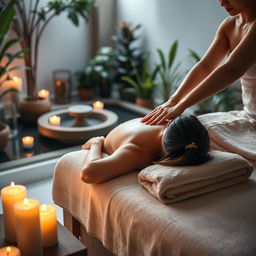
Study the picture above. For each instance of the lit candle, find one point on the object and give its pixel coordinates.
(43, 93)
(15, 83)
(9, 251)
(28, 231)
(10, 195)
(58, 83)
(98, 105)
(48, 223)
(55, 120)
(28, 142)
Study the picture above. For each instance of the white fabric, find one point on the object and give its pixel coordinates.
(233, 132)
(130, 221)
(248, 82)
(174, 183)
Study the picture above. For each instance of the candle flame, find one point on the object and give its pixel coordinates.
(16, 79)
(25, 201)
(12, 184)
(8, 250)
(44, 207)
(58, 83)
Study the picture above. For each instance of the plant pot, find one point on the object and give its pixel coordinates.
(146, 103)
(86, 94)
(4, 135)
(31, 110)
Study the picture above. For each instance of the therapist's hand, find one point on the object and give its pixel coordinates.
(162, 114)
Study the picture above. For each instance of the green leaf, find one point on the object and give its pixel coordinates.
(172, 53)
(161, 57)
(6, 17)
(194, 55)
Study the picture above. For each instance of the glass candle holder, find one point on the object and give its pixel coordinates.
(62, 85)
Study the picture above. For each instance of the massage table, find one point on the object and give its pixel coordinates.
(120, 217)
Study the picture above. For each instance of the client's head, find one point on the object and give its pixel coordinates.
(185, 142)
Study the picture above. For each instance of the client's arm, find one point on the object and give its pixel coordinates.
(125, 159)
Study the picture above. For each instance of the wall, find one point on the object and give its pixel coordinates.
(192, 23)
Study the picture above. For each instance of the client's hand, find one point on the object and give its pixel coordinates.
(162, 114)
(95, 140)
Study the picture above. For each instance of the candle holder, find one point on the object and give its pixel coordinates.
(62, 84)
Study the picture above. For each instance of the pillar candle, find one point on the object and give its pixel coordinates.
(10, 195)
(48, 223)
(9, 251)
(28, 227)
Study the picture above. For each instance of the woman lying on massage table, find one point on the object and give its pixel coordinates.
(134, 145)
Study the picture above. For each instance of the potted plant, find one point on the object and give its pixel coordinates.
(6, 60)
(168, 72)
(226, 100)
(98, 73)
(126, 52)
(29, 25)
(144, 84)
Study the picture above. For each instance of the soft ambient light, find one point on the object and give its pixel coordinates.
(28, 227)
(28, 142)
(10, 195)
(43, 93)
(9, 251)
(15, 83)
(55, 120)
(48, 225)
(98, 105)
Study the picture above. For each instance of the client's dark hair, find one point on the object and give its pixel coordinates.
(186, 142)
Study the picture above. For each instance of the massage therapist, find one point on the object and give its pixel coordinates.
(235, 40)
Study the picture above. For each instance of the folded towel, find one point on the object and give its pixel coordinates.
(174, 183)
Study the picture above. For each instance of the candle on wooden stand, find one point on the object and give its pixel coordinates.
(9, 251)
(28, 142)
(48, 223)
(10, 195)
(28, 231)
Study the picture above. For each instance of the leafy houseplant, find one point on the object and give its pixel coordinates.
(144, 84)
(98, 73)
(30, 23)
(127, 51)
(6, 58)
(168, 72)
(225, 100)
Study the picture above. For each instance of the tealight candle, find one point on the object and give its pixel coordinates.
(98, 105)
(9, 251)
(48, 223)
(28, 142)
(10, 195)
(15, 83)
(28, 231)
(55, 120)
(43, 93)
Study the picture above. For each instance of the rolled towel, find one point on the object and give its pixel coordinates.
(174, 183)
